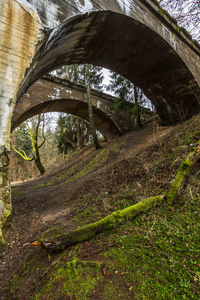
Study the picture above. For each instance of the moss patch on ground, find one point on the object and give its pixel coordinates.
(159, 253)
(74, 278)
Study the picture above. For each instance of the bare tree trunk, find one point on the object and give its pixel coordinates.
(82, 133)
(35, 146)
(78, 133)
(90, 111)
(138, 119)
(38, 162)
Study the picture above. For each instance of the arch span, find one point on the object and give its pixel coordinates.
(131, 48)
(51, 93)
(104, 124)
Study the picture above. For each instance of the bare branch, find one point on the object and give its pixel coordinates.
(23, 154)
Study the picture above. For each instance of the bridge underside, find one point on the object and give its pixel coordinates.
(102, 122)
(131, 49)
(54, 94)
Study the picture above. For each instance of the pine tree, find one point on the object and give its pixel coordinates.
(77, 73)
(127, 91)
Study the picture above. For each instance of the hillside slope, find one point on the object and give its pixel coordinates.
(155, 255)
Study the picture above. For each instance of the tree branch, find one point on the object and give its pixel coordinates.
(183, 173)
(23, 154)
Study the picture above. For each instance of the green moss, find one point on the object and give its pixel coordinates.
(73, 278)
(95, 163)
(87, 215)
(3, 244)
(157, 255)
(98, 161)
(31, 267)
(16, 192)
(7, 215)
(54, 230)
(161, 11)
(178, 28)
(87, 232)
(183, 171)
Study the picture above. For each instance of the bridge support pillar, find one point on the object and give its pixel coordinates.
(5, 195)
(6, 109)
(20, 33)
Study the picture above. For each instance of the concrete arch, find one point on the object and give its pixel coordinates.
(104, 124)
(51, 93)
(132, 49)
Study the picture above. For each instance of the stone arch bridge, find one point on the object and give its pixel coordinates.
(135, 38)
(51, 93)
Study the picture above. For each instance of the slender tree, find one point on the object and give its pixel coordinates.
(80, 132)
(79, 74)
(90, 111)
(66, 132)
(137, 107)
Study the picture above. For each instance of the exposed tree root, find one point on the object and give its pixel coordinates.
(87, 232)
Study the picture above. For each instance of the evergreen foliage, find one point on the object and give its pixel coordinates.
(77, 73)
(127, 91)
(122, 88)
(70, 135)
(66, 133)
(68, 129)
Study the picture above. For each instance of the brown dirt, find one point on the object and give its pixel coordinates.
(37, 206)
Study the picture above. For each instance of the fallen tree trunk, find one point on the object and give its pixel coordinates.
(87, 232)
(183, 173)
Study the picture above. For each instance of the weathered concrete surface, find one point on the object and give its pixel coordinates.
(132, 37)
(51, 93)
(19, 32)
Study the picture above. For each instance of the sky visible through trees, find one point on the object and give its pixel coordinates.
(187, 14)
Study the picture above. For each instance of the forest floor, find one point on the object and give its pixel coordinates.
(154, 256)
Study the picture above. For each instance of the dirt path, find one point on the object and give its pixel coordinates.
(37, 206)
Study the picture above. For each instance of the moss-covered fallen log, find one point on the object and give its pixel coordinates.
(87, 232)
(183, 173)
